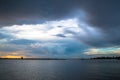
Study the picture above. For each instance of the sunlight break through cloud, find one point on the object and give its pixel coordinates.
(51, 30)
(45, 31)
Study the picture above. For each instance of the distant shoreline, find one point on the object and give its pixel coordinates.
(94, 58)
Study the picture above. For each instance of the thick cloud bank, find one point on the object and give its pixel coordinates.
(91, 23)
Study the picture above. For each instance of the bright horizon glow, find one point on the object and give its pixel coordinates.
(11, 56)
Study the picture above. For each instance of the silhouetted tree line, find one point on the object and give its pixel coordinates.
(114, 57)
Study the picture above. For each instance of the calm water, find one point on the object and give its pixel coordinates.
(59, 70)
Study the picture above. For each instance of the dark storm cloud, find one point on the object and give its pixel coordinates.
(104, 14)
(30, 11)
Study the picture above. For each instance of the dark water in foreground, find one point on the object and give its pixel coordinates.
(59, 70)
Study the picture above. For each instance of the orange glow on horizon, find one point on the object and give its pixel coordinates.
(11, 56)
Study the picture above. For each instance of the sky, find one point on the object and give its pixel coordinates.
(59, 28)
